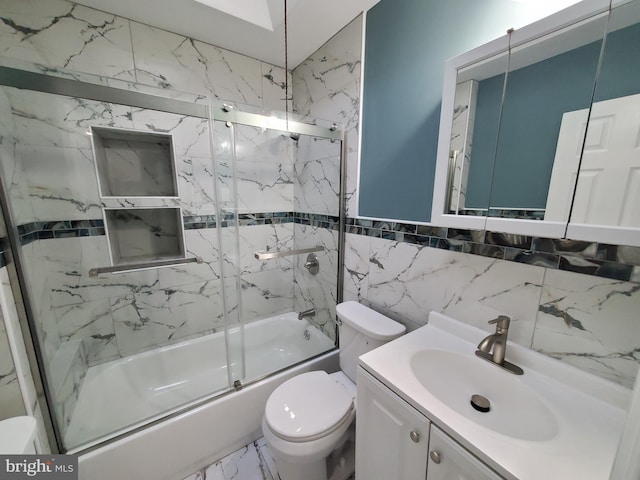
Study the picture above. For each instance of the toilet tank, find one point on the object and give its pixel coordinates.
(362, 330)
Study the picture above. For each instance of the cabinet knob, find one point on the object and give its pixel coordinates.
(415, 436)
(435, 456)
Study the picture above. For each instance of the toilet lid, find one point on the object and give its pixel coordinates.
(306, 406)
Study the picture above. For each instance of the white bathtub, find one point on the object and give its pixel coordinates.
(130, 392)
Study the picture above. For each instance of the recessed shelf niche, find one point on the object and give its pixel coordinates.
(134, 164)
(144, 234)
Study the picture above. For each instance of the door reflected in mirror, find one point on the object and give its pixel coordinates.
(547, 77)
(608, 186)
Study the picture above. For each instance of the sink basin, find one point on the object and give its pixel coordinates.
(516, 409)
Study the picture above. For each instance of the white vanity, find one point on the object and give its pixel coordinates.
(416, 421)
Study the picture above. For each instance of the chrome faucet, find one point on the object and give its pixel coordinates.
(498, 343)
(307, 313)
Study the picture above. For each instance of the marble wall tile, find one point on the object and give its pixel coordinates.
(203, 244)
(142, 234)
(66, 374)
(63, 34)
(47, 120)
(253, 238)
(67, 262)
(129, 167)
(411, 281)
(591, 323)
(327, 86)
(317, 176)
(266, 293)
(90, 322)
(273, 89)
(263, 169)
(50, 169)
(171, 61)
(190, 134)
(356, 265)
(317, 291)
(40, 294)
(146, 320)
(61, 182)
(333, 66)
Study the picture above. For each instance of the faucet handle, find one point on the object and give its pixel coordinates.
(503, 322)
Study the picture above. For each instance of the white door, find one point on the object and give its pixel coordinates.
(449, 461)
(608, 188)
(391, 436)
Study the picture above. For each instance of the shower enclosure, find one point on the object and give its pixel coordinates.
(166, 246)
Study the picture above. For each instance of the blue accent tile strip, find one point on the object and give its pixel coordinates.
(4, 247)
(608, 261)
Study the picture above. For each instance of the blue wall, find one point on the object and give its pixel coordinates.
(543, 92)
(407, 43)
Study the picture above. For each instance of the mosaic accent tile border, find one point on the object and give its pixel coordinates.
(30, 232)
(609, 261)
(617, 262)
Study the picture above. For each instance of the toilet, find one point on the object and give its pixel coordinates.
(308, 423)
(17, 436)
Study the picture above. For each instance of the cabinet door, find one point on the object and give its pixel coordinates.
(392, 438)
(450, 461)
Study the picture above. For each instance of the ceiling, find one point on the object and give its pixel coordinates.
(310, 23)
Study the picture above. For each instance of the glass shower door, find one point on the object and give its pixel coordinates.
(96, 186)
(278, 192)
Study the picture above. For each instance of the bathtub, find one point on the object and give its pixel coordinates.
(127, 393)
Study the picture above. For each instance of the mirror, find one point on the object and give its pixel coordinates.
(523, 179)
(547, 77)
(608, 184)
(474, 139)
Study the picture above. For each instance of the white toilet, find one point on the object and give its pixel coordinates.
(308, 420)
(17, 436)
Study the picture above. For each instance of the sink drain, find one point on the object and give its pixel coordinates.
(480, 403)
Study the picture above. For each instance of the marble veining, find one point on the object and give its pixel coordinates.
(317, 176)
(591, 323)
(252, 462)
(584, 320)
(67, 35)
(327, 86)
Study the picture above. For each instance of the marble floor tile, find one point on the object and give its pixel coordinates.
(251, 462)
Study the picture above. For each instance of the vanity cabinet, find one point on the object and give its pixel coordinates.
(396, 441)
(448, 460)
(392, 437)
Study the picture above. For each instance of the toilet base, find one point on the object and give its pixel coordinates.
(339, 464)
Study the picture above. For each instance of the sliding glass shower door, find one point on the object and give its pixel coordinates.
(171, 254)
(115, 207)
(278, 193)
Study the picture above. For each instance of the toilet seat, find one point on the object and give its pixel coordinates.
(308, 407)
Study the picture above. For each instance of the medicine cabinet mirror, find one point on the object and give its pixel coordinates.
(514, 122)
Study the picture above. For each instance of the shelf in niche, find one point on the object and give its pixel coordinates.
(144, 234)
(134, 164)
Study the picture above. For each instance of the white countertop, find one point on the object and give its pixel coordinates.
(590, 412)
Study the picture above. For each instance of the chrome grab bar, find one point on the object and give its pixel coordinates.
(132, 267)
(266, 254)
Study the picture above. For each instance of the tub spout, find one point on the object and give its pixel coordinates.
(307, 313)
